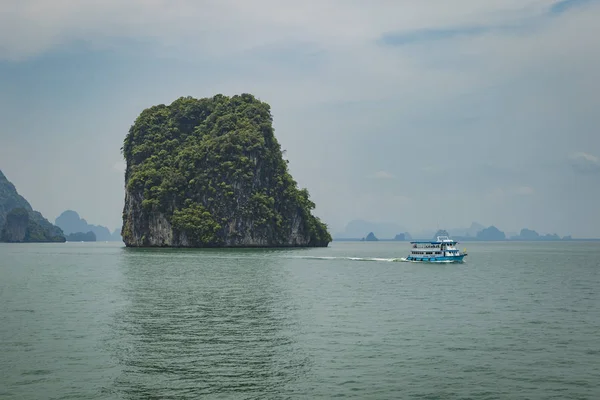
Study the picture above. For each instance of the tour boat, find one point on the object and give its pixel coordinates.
(441, 250)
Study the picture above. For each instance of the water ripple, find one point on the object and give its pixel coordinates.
(518, 320)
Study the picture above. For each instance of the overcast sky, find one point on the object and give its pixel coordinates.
(422, 112)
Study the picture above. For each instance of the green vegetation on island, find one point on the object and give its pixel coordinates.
(210, 173)
(19, 222)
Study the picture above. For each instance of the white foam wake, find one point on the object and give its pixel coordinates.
(401, 259)
(351, 258)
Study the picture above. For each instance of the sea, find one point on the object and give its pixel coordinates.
(516, 320)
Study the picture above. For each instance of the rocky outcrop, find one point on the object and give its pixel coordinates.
(491, 234)
(156, 230)
(371, 237)
(22, 226)
(19, 222)
(210, 173)
(143, 228)
(400, 237)
(15, 227)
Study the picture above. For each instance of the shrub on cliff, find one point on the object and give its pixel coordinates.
(214, 169)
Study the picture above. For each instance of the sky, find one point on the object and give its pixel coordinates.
(426, 113)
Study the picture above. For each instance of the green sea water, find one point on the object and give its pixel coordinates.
(100, 321)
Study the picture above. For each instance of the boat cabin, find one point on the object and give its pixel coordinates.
(441, 247)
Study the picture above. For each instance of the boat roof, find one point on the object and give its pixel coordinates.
(440, 239)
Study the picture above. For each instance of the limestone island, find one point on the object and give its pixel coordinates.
(19, 222)
(210, 173)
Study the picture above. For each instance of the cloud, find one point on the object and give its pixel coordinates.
(566, 5)
(223, 27)
(382, 175)
(509, 21)
(424, 35)
(585, 163)
(315, 52)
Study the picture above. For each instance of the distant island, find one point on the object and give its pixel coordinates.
(19, 222)
(370, 238)
(210, 173)
(490, 233)
(476, 232)
(400, 237)
(528, 234)
(82, 237)
(71, 223)
(359, 228)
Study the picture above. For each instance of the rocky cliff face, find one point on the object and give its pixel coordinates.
(155, 230)
(19, 222)
(15, 227)
(210, 173)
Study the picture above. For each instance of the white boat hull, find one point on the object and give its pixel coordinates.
(446, 259)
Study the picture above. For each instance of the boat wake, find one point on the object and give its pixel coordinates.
(376, 259)
(372, 259)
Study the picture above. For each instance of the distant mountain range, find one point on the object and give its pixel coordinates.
(71, 223)
(387, 231)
